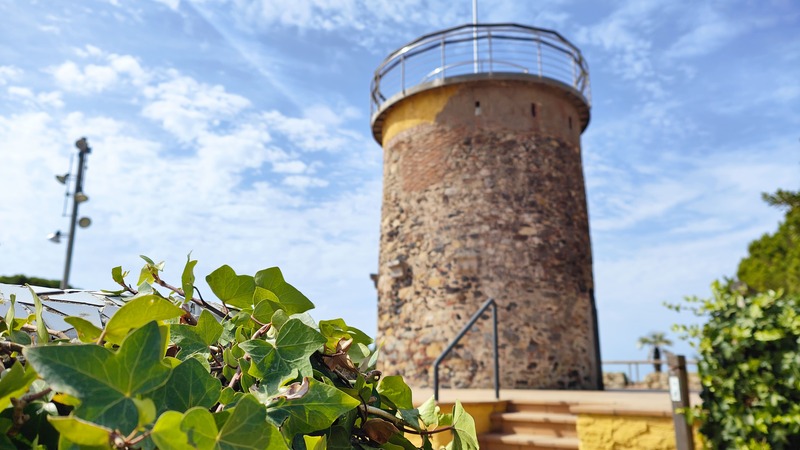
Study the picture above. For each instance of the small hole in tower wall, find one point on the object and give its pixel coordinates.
(533, 109)
(570, 122)
(477, 108)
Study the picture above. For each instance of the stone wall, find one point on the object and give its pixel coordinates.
(484, 197)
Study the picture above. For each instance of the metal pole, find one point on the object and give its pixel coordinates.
(74, 219)
(496, 354)
(679, 395)
(475, 34)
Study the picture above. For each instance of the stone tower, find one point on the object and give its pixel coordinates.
(483, 198)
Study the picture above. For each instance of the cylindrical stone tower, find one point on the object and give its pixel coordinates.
(483, 198)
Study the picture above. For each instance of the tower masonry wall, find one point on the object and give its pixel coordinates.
(484, 197)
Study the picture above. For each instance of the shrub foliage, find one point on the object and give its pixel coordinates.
(749, 368)
(253, 372)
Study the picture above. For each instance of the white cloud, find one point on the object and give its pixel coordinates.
(44, 99)
(187, 108)
(712, 32)
(304, 182)
(96, 78)
(9, 73)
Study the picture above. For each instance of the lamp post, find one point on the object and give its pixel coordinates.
(78, 197)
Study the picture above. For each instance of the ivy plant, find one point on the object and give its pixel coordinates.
(749, 367)
(252, 371)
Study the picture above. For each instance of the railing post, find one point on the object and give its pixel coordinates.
(539, 54)
(444, 57)
(679, 394)
(496, 353)
(489, 40)
(403, 73)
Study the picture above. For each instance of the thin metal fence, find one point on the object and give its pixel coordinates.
(480, 49)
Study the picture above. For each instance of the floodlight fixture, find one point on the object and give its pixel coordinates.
(80, 197)
(83, 146)
(84, 222)
(62, 178)
(55, 237)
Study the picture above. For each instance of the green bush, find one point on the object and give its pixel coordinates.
(749, 367)
(262, 374)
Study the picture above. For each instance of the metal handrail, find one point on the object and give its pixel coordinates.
(481, 47)
(488, 303)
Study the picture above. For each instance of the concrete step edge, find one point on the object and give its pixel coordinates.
(535, 417)
(531, 439)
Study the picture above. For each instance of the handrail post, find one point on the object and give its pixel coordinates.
(496, 352)
(454, 342)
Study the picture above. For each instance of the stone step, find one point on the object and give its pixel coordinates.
(539, 406)
(501, 441)
(542, 424)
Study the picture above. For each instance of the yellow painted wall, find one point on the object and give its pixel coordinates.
(601, 432)
(424, 108)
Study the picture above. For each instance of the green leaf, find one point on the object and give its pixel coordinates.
(464, 434)
(266, 303)
(42, 335)
(138, 312)
(104, 381)
(336, 329)
(429, 413)
(236, 290)
(87, 331)
(769, 335)
(291, 300)
(316, 410)
(394, 390)
(147, 410)
(187, 278)
(288, 358)
(189, 385)
(167, 434)
(15, 383)
(208, 328)
(81, 431)
(118, 275)
(245, 429)
(10, 313)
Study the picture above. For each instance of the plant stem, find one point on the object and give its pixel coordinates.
(179, 291)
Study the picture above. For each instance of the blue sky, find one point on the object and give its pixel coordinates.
(239, 130)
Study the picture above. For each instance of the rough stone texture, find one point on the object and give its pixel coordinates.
(482, 203)
(625, 433)
(615, 380)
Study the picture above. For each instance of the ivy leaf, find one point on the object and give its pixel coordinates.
(317, 409)
(396, 392)
(246, 428)
(429, 413)
(104, 381)
(208, 328)
(187, 278)
(138, 312)
(80, 431)
(15, 382)
(167, 434)
(189, 385)
(87, 331)
(236, 290)
(291, 300)
(288, 358)
(42, 335)
(118, 275)
(464, 434)
(336, 329)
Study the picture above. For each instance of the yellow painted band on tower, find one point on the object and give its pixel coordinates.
(422, 107)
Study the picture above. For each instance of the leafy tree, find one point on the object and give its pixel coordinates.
(254, 371)
(21, 280)
(773, 261)
(749, 367)
(656, 341)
